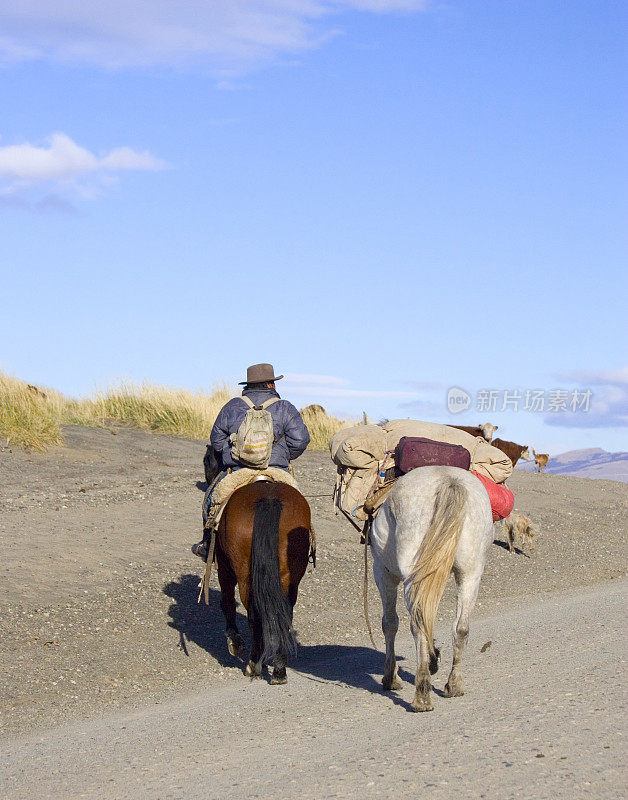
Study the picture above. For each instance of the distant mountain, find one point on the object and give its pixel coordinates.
(590, 463)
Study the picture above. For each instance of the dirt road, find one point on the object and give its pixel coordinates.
(542, 717)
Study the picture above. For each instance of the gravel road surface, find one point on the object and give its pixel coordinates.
(542, 718)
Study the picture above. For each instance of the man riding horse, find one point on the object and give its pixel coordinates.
(290, 435)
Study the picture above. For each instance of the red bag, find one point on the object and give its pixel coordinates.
(502, 499)
(415, 451)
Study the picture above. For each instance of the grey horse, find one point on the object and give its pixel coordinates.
(435, 520)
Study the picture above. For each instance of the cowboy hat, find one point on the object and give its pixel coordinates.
(260, 373)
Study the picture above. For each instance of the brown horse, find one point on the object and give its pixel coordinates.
(263, 546)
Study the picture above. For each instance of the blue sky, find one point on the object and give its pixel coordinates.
(384, 199)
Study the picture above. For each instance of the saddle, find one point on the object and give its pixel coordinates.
(236, 480)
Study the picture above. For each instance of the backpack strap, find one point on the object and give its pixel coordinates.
(264, 405)
(270, 401)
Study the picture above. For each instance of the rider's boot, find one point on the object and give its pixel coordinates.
(201, 549)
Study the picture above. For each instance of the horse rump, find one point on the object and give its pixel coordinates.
(269, 607)
(435, 556)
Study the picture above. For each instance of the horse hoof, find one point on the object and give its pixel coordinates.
(277, 680)
(422, 704)
(453, 690)
(236, 645)
(392, 685)
(253, 670)
(434, 661)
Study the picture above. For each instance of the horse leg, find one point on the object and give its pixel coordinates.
(228, 582)
(510, 538)
(468, 585)
(280, 675)
(422, 683)
(387, 585)
(254, 667)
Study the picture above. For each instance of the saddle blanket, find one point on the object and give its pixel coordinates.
(236, 480)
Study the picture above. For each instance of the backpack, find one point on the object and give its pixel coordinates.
(252, 445)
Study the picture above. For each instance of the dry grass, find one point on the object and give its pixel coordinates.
(321, 426)
(31, 417)
(153, 408)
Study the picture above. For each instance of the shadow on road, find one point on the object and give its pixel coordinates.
(199, 623)
(504, 545)
(204, 625)
(349, 666)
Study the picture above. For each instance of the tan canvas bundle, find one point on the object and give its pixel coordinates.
(252, 444)
(359, 447)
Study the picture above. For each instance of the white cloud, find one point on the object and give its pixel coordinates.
(229, 37)
(62, 166)
(48, 204)
(427, 409)
(428, 386)
(609, 402)
(591, 377)
(319, 386)
(63, 159)
(125, 158)
(303, 379)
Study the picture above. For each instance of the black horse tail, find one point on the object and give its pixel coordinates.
(272, 610)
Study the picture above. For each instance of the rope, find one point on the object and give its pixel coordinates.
(367, 531)
(203, 587)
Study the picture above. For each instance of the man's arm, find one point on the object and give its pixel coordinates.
(220, 434)
(295, 432)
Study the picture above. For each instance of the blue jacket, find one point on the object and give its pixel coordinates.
(291, 435)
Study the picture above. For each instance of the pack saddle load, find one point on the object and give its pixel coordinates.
(367, 465)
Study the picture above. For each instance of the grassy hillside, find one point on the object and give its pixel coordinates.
(31, 417)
